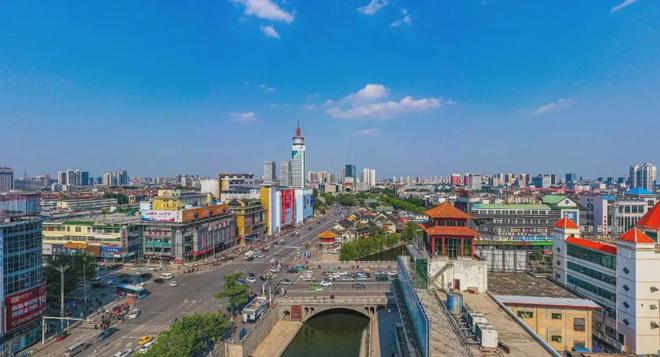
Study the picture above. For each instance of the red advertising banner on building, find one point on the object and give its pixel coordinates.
(25, 306)
(288, 201)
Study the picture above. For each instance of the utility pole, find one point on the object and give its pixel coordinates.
(62, 269)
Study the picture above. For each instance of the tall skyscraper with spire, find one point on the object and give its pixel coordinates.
(298, 174)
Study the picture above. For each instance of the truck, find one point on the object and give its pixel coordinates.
(255, 309)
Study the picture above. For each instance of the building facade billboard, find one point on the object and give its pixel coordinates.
(160, 216)
(24, 307)
(288, 207)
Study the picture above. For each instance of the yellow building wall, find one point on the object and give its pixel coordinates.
(545, 326)
(168, 204)
(264, 197)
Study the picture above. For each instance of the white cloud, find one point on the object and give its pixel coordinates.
(622, 5)
(372, 7)
(265, 9)
(372, 133)
(266, 88)
(368, 93)
(243, 118)
(269, 31)
(405, 20)
(382, 110)
(553, 106)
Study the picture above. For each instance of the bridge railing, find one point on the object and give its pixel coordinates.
(295, 300)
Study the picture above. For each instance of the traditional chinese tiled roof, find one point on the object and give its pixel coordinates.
(446, 210)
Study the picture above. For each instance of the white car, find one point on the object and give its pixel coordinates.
(134, 314)
(146, 346)
(251, 279)
(173, 283)
(325, 283)
(124, 353)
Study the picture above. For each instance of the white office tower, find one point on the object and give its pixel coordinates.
(269, 172)
(298, 175)
(643, 176)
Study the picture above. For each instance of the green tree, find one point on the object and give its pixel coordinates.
(410, 232)
(360, 248)
(121, 198)
(72, 276)
(193, 335)
(238, 294)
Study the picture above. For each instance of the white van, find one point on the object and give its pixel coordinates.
(166, 276)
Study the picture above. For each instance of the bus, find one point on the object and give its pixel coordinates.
(132, 290)
(257, 307)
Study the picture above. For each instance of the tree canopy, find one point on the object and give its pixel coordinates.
(192, 335)
(72, 275)
(238, 294)
(360, 248)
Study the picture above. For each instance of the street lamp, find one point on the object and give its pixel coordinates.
(62, 269)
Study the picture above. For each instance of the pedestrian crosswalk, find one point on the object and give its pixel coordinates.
(147, 329)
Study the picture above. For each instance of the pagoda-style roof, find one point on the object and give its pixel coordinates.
(460, 231)
(634, 235)
(566, 223)
(327, 235)
(651, 219)
(446, 210)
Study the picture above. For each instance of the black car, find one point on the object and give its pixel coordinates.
(159, 280)
(106, 333)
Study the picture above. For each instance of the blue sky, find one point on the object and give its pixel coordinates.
(415, 88)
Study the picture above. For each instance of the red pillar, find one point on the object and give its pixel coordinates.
(433, 246)
(443, 246)
(462, 242)
(473, 247)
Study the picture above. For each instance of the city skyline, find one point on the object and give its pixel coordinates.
(370, 85)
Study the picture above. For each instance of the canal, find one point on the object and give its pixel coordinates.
(386, 255)
(329, 334)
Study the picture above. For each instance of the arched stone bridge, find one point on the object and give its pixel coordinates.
(303, 308)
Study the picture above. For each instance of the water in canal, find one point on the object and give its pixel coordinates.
(333, 334)
(386, 255)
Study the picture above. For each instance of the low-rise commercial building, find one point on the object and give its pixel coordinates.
(250, 219)
(188, 235)
(111, 237)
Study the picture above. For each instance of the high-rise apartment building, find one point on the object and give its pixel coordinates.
(115, 178)
(6, 179)
(643, 175)
(298, 175)
(369, 177)
(270, 172)
(285, 173)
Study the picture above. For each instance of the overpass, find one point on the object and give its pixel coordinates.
(302, 308)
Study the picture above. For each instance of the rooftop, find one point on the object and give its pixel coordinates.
(553, 199)
(520, 206)
(566, 223)
(638, 191)
(592, 244)
(634, 235)
(112, 218)
(527, 285)
(446, 210)
(651, 219)
(570, 303)
(451, 231)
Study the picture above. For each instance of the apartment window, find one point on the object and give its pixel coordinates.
(625, 321)
(621, 338)
(555, 316)
(625, 270)
(555, 338)
(626, 288)
(626, 305)
(525, 314)
(579, 344)
(579, 324)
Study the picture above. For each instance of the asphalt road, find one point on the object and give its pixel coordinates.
(193, 295)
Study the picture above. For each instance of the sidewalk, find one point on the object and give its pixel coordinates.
(278, 339)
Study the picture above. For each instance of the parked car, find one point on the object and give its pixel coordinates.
(359, 286)
(325, 282)
(144, 348)
(106, 333)
(159, 280)
(251, 279)
(286, 282)
(173, 283)
(134, 314)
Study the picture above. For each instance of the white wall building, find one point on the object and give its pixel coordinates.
(298, 168)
